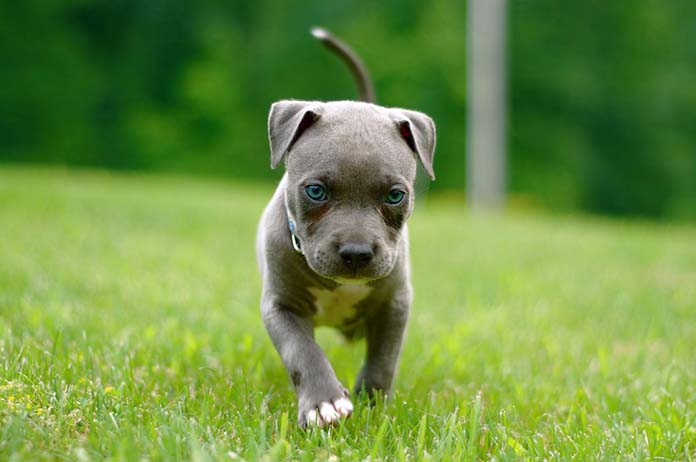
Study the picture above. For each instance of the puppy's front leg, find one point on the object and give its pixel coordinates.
(321, 397)
(385, 333)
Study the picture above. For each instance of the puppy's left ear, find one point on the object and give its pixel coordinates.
(287, 121)
(418, 130)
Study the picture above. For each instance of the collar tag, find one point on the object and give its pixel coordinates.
(293, 229)
(293, 235)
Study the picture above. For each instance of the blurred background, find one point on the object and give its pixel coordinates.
(601, 95)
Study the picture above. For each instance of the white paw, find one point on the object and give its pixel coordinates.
(329, 413)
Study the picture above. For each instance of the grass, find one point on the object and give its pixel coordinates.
(129, 330)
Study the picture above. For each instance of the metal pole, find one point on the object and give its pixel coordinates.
(486, 96)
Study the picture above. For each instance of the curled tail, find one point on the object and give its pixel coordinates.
(355, 64)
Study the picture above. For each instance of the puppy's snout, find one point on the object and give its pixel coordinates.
(355, 255)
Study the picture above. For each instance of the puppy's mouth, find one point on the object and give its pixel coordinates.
(350, 280)
(355, 281)
(343, 271)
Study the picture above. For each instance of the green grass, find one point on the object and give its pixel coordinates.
(130, 329)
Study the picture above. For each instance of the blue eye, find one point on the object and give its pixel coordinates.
(395, 196)
(316, 192)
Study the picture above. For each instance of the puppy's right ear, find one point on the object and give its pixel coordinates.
(287, 121)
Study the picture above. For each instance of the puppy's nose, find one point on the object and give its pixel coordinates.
(356, 256)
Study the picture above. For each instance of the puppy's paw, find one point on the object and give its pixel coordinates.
(328, 413)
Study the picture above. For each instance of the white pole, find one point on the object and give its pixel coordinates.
(486, 100)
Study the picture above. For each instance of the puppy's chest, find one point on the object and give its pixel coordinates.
(339, 306)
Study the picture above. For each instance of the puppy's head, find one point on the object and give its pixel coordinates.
(350, 167)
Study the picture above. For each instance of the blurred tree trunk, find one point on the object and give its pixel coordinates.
(486, 118)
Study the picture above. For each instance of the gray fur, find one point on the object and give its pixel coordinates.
(359, 151)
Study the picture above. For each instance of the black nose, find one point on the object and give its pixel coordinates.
(356, 256)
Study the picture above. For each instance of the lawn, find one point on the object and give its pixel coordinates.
(130, 330)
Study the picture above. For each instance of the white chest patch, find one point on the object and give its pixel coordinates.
(338, 305)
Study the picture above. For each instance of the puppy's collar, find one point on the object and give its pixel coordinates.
(296, 244)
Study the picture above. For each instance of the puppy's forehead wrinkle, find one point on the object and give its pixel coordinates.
(331, 142)
(359, 135)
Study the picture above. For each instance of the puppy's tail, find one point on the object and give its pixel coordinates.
(352, 60)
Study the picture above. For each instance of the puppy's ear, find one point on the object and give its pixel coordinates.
(287, 120)
(418, 130)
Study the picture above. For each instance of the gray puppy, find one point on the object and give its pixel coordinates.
(332, 244)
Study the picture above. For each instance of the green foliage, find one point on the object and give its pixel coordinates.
(603, 104)
(130, 330)
(601, 93)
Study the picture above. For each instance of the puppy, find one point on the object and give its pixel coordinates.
(332, 244)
